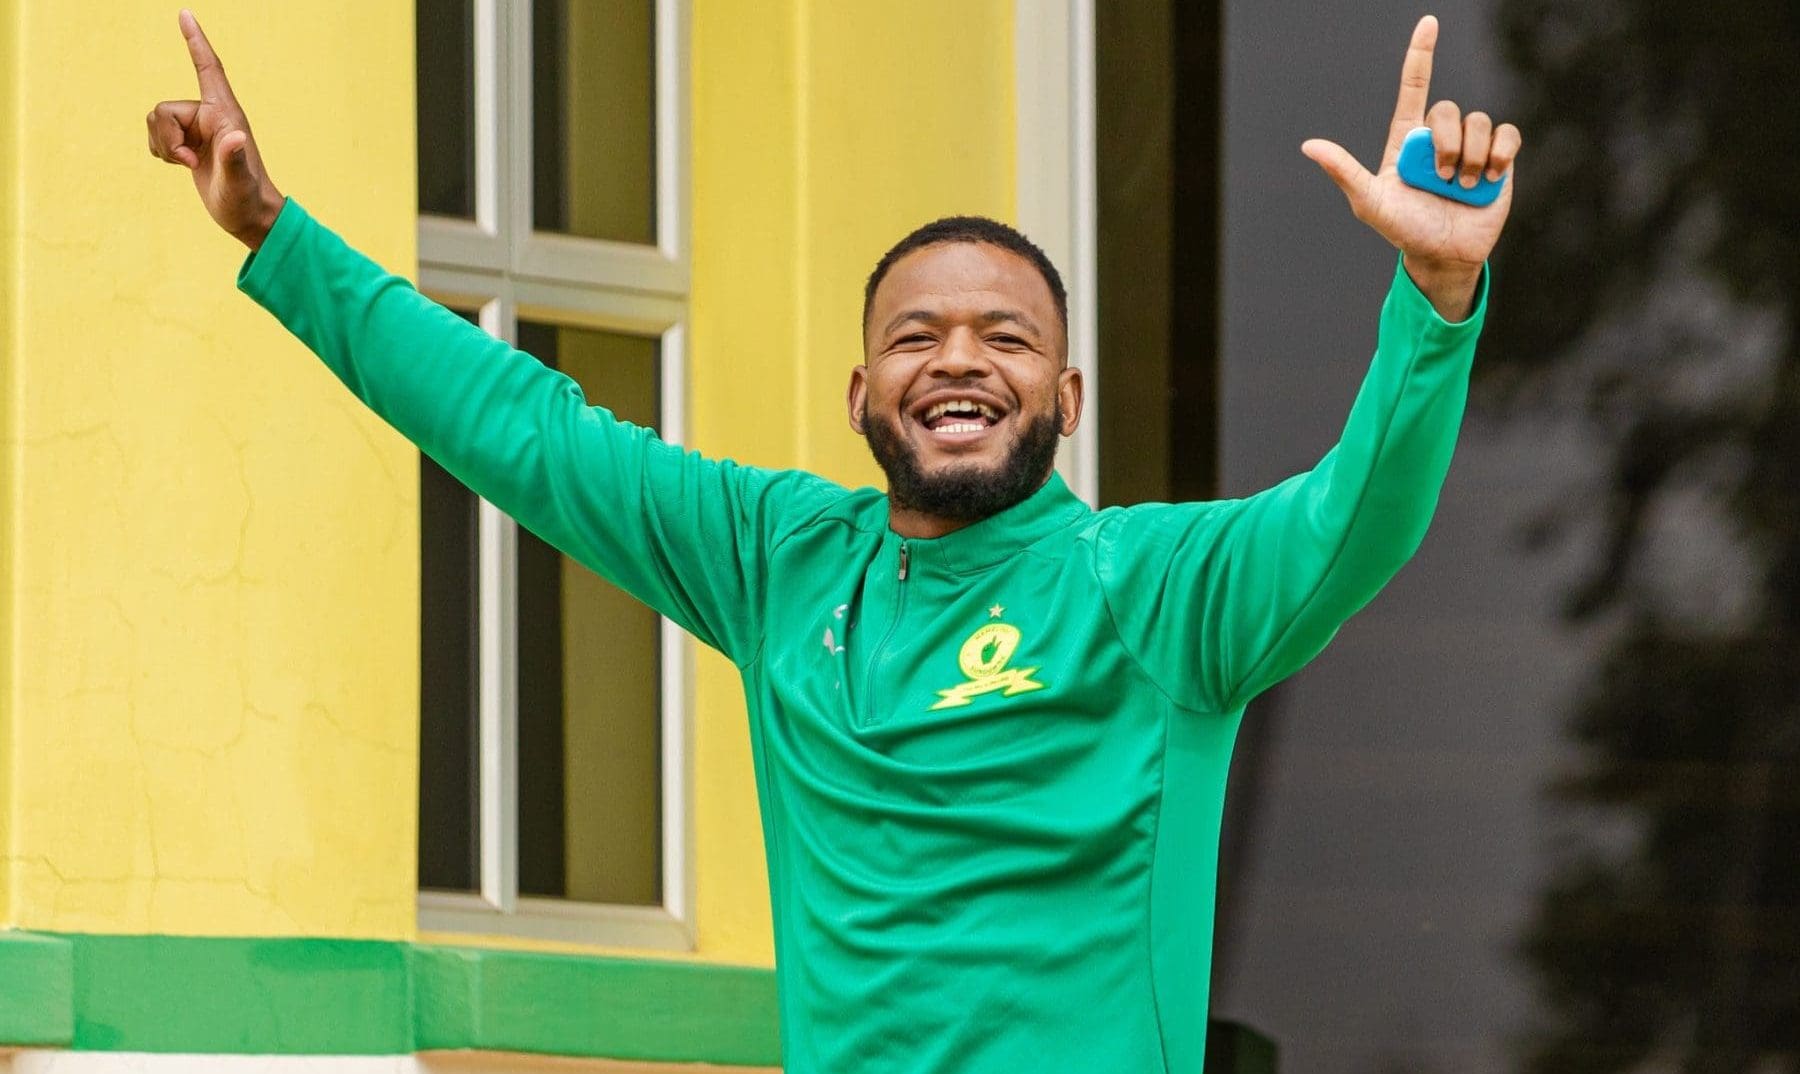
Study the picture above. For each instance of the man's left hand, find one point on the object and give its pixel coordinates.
(1444, 242)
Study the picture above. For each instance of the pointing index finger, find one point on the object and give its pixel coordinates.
(211, 73)
(1415, 84)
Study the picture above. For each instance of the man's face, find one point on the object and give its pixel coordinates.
(965, 386)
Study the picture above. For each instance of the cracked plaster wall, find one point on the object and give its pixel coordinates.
(217, 591)
(9, 320)
(214, 600)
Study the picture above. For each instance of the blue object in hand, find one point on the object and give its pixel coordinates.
(1418, 168)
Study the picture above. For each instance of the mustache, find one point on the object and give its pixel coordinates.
(965, 384)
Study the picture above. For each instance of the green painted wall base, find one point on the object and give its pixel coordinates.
(37, 990)
(303, 996)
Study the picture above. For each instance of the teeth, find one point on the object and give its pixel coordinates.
(959, 427)
(983, 409)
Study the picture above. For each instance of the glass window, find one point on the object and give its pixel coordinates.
(544, 710)
(449, 663)
(593, 83)
(446, 102)
(590, 723)
(449, 726)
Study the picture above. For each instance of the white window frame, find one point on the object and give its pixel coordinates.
(1054, 85)
(500, 266)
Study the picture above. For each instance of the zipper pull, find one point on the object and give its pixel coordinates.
(903, 559)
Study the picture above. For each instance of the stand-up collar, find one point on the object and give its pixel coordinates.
(999, 537)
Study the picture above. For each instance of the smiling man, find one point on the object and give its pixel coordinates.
(991, 725)
(967, 386)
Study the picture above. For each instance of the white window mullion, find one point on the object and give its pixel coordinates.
(672, 133)
(497, 608)
(499, 739)
(497, 572)
(490, 184)
(677, 728)
(599, 263)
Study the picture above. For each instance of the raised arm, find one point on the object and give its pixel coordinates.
(1222, 600)
(1443, 243)
(685, 534)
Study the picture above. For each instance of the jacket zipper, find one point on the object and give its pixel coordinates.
(870, 678)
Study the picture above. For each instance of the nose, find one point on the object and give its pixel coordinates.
(962, 355)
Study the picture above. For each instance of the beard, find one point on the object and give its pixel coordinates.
(966, 492)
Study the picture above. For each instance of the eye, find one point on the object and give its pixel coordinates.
(1007, 341)
(916, 337)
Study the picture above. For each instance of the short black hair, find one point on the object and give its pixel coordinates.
(976, 229)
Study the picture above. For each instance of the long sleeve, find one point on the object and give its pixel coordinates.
(686, 535)
(1219, 601)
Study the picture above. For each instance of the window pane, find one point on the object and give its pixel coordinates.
(593, 85)
(449, 728)
(446, 92)
(590, 781)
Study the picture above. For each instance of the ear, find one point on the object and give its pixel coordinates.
(857, 399)
(1069, 392)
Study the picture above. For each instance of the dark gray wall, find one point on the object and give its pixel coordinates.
(1386, 807)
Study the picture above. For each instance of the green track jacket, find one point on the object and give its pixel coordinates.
(991, 765)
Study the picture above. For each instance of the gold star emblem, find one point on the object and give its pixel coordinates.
(996, 612)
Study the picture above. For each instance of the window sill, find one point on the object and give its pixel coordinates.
(651, 928)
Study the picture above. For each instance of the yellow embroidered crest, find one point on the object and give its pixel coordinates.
(983, 660)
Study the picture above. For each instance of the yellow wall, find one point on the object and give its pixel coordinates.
(216, 549)
(215, 707)
(9, 322)
(823, 132)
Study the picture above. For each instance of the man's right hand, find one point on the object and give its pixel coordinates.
(211, 138)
